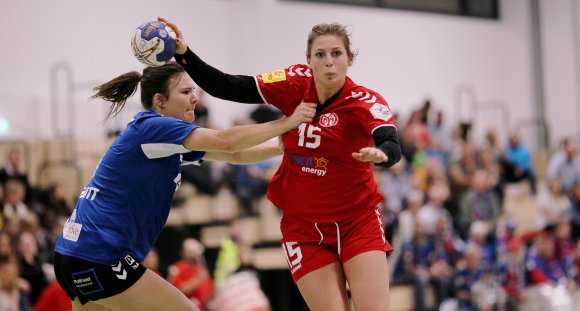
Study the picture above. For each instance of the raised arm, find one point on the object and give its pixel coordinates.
(239, 88)
(245, 136)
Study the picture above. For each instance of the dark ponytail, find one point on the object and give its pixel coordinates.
(155, 80)
(118, 91)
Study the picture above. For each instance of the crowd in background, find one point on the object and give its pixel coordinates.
(443, 210)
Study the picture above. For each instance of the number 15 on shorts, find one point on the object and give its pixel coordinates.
(293, 255)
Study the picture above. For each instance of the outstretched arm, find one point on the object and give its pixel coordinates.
(239, 88)
(387, 151)
(251, 155)
(245, 136)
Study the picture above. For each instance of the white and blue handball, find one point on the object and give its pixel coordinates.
(153, 43)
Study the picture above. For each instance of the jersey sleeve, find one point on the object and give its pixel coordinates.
(284, 88)
(163, 136)
(377, 111)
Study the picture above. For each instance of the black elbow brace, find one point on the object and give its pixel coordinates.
(387, 140)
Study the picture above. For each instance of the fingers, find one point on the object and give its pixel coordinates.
(370, 154)
(168, 23)
(306, 112)
(180, 42)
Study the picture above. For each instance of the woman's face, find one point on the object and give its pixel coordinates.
(181, 100)
(329, 61)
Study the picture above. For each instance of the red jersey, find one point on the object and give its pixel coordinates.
(318, 179)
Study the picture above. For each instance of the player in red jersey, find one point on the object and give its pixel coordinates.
(331, 226)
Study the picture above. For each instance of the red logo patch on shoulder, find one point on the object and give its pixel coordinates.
(274, 76)
(328, 119)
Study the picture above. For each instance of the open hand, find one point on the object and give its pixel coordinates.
(370, 154)
(180, 44)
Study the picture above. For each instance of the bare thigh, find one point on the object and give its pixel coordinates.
(324, 289)
(89, 306)
(151, 292)
(368, 279)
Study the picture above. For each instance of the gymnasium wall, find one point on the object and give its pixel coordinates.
(54, 52)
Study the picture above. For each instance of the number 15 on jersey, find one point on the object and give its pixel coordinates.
(308, 136)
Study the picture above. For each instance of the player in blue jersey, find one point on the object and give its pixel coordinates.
(120, 213)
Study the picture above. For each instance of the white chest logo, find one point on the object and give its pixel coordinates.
(328, 119)
(381, 112)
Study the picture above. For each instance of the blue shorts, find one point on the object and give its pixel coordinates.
(92, 281)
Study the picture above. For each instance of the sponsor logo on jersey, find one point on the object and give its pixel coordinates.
(72, 229)
(274, 76)
(328, 119)
(315, 166)
(381, 112)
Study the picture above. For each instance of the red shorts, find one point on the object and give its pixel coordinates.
(312, 245)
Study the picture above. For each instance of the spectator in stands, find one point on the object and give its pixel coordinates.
(206, 177)
(518, 163)
(228, 259)
(460, 171)
(14, 204)
(567, 171)
(488, 164)
(469, 272)
(56, 200)
(434, 209)
(556, 159)
(241, 290)
(13, 227)
(30, 266)
(511, 271)
(545, 267)
(7, 250)
(440, 139)
(478, 203)
(563, 243)
(448, 243)
(493, 146)
(11, 295)
(12, 170)
(265, 113)
(505, 236)
(251, 182)
(552, 204)
(407, 222)
(42, 237)
(395, 185)
(190, 274)
(481, 234)
(417, 257)
(573, 210)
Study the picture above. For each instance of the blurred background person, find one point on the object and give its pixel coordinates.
(190, 274)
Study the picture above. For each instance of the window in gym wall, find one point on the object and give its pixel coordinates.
(468, 8)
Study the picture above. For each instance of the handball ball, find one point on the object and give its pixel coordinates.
(153, 43)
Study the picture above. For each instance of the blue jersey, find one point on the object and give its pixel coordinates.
(126, 203)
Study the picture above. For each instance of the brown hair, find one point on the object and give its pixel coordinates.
(154, 80)
(335, 29)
